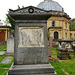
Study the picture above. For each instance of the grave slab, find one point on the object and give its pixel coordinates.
(10, 46)
(7, 60)
(1, 53)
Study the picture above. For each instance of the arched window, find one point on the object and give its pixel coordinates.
(53, 23)
(55, 35)
(66, 35)
(65, 24)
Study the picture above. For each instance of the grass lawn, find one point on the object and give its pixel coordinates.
(4, 67)
(2, 57)
(66, 67)
(3, 71)
(2, 49)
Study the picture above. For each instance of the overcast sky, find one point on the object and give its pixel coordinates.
(5, 5)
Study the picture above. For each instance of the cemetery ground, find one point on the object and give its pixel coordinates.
(62, 67)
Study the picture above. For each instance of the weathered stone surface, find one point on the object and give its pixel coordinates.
(31, 37)
(10, 46)
(37, 69)
(1, 53)
(28, 54)
(31, 43)
(7, 60)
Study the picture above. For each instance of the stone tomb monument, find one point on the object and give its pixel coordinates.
(31, 44)
(64, 47)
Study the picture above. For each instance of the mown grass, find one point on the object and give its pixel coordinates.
(4, 67)
(3, 45)
(2, 49)
(3, 71)
(64, 67)
(2, 57)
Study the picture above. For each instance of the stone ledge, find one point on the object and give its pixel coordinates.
(37, 69)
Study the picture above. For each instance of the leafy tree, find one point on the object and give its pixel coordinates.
(73, 26)
(11, 21)
(6, 22)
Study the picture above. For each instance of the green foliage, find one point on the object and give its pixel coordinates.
(55, 52)
(2, 49)
(6, 65)
(2, 57)
(3, 71)
(73, 26)
(11, 21)
(1, 24)
(58, 68)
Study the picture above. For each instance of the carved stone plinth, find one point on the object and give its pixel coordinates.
(63, 55)
(31, 43)
(39, 69)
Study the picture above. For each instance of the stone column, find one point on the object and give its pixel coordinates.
(6, 35)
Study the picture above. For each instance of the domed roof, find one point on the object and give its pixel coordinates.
(49, 5)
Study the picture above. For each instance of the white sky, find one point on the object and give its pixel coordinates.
(5, 5)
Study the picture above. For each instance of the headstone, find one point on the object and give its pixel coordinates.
(1, 53)
(51, 42)
(31, 43)
(7, 60)
(10, 46)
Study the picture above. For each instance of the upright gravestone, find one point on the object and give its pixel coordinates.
(31, 44)
(10, 46)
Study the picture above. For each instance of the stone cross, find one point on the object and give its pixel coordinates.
(50, 46)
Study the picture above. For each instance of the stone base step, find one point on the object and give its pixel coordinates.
(38, 69)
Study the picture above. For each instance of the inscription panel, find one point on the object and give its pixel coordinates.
(31, 37)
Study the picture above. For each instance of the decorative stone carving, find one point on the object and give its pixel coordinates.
(30, 10)
(30, 37)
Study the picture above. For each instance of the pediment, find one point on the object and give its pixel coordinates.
(29, 9)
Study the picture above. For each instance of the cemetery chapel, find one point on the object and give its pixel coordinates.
(58, 24)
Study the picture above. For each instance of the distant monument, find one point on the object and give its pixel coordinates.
(10, 46)
(31, 44)
(65, 47)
